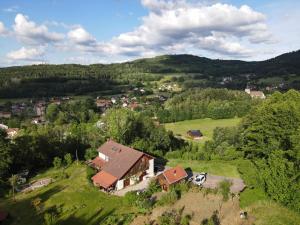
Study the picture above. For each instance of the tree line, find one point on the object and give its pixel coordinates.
(206, 103)
(268, 141)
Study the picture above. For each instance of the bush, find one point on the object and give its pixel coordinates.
(68, 159)
(90, 172)
(169, 218)
(169, 198)
(130, 198)
(90, 153)
(213, 220)
(123, 219)
(174, 217)
(57, 162)
(50, 219)
(141, 200)
(224, 188)
(182, 187)
(153, 187)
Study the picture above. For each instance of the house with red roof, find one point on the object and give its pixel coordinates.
(120, 166)
(171, 176)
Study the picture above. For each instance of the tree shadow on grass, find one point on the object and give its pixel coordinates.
(23, 212)
(96, 219)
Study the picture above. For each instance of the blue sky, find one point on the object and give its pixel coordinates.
(104, 31)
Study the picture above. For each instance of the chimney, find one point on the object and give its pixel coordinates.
(174, 172)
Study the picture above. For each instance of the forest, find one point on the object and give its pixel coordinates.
(72, 79)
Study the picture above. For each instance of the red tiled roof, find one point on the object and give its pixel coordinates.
(121, 158)
(98, 162)
(175, 174)
(104, 179)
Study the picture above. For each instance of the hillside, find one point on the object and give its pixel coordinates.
(48, 80)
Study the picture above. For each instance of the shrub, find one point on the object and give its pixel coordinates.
(115, 219)
(185, 220)
(90, 153)
(90, 172)
(50, 219)
(174, 217)
(224, 188)
(213, 220)
(37, 204)
(57, 162)
(68, 159)
(182, 187)
(169, 218)
(153, 187)
(169, 198)
(142, 200)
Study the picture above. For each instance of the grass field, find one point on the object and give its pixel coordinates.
(216, 167)
(269, 212)
(206, 126)
(77, 201)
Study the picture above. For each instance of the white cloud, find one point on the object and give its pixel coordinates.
(80, 36)
(11, 9)
(170, 27)
(3, 30)
(179, 25)
(27, 54)
(221, 45)
(30, 33)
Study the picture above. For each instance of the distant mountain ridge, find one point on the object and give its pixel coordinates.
(288, 63)
(195, 71)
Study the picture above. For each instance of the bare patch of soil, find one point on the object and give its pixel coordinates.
(201, 207)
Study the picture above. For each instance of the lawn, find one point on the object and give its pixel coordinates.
(216, 167)
(77, 201)
(206, 126)
(269, 212)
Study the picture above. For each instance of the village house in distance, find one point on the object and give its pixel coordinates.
(255, 94)
(194, 134)
(120, 166)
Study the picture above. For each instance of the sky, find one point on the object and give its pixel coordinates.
(106, 31)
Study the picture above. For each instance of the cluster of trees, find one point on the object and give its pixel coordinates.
(206, 103)
(140, 131)
(269, 137)
(36, 147)
(75, 111)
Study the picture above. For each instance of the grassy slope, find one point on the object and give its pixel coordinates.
(206, 126)
(269, 212)
(79, 201)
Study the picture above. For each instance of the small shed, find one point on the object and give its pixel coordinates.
(171, 176)
(194, 134)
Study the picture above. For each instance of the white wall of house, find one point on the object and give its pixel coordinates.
(102, 156)
(150, 171)
(120, 184)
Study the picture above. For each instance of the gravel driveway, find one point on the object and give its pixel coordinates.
(212, 181)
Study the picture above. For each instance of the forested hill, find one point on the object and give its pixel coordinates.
(46, 80)
(288, 63)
